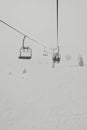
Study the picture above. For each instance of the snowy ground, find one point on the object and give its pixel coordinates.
(33, 96)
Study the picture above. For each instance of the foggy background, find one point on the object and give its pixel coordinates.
(35, 96)
(37, 18)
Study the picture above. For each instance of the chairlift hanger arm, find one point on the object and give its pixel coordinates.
(22, 33)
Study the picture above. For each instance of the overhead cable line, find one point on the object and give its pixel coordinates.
(23, 34)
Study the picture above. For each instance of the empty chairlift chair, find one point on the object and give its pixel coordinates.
(25, 52)
(45, 53)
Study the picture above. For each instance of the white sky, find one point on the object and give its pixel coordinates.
(38, 17)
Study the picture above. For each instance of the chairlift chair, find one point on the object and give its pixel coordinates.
(56, 56)
(45, 53)
(25, 52)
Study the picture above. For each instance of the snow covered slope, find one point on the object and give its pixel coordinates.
(34, 96)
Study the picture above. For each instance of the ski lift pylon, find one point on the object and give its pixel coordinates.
(25, 52)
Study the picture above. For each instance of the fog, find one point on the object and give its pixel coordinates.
(33, 95)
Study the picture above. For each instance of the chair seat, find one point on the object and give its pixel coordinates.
(45, 54)
(24, 57)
